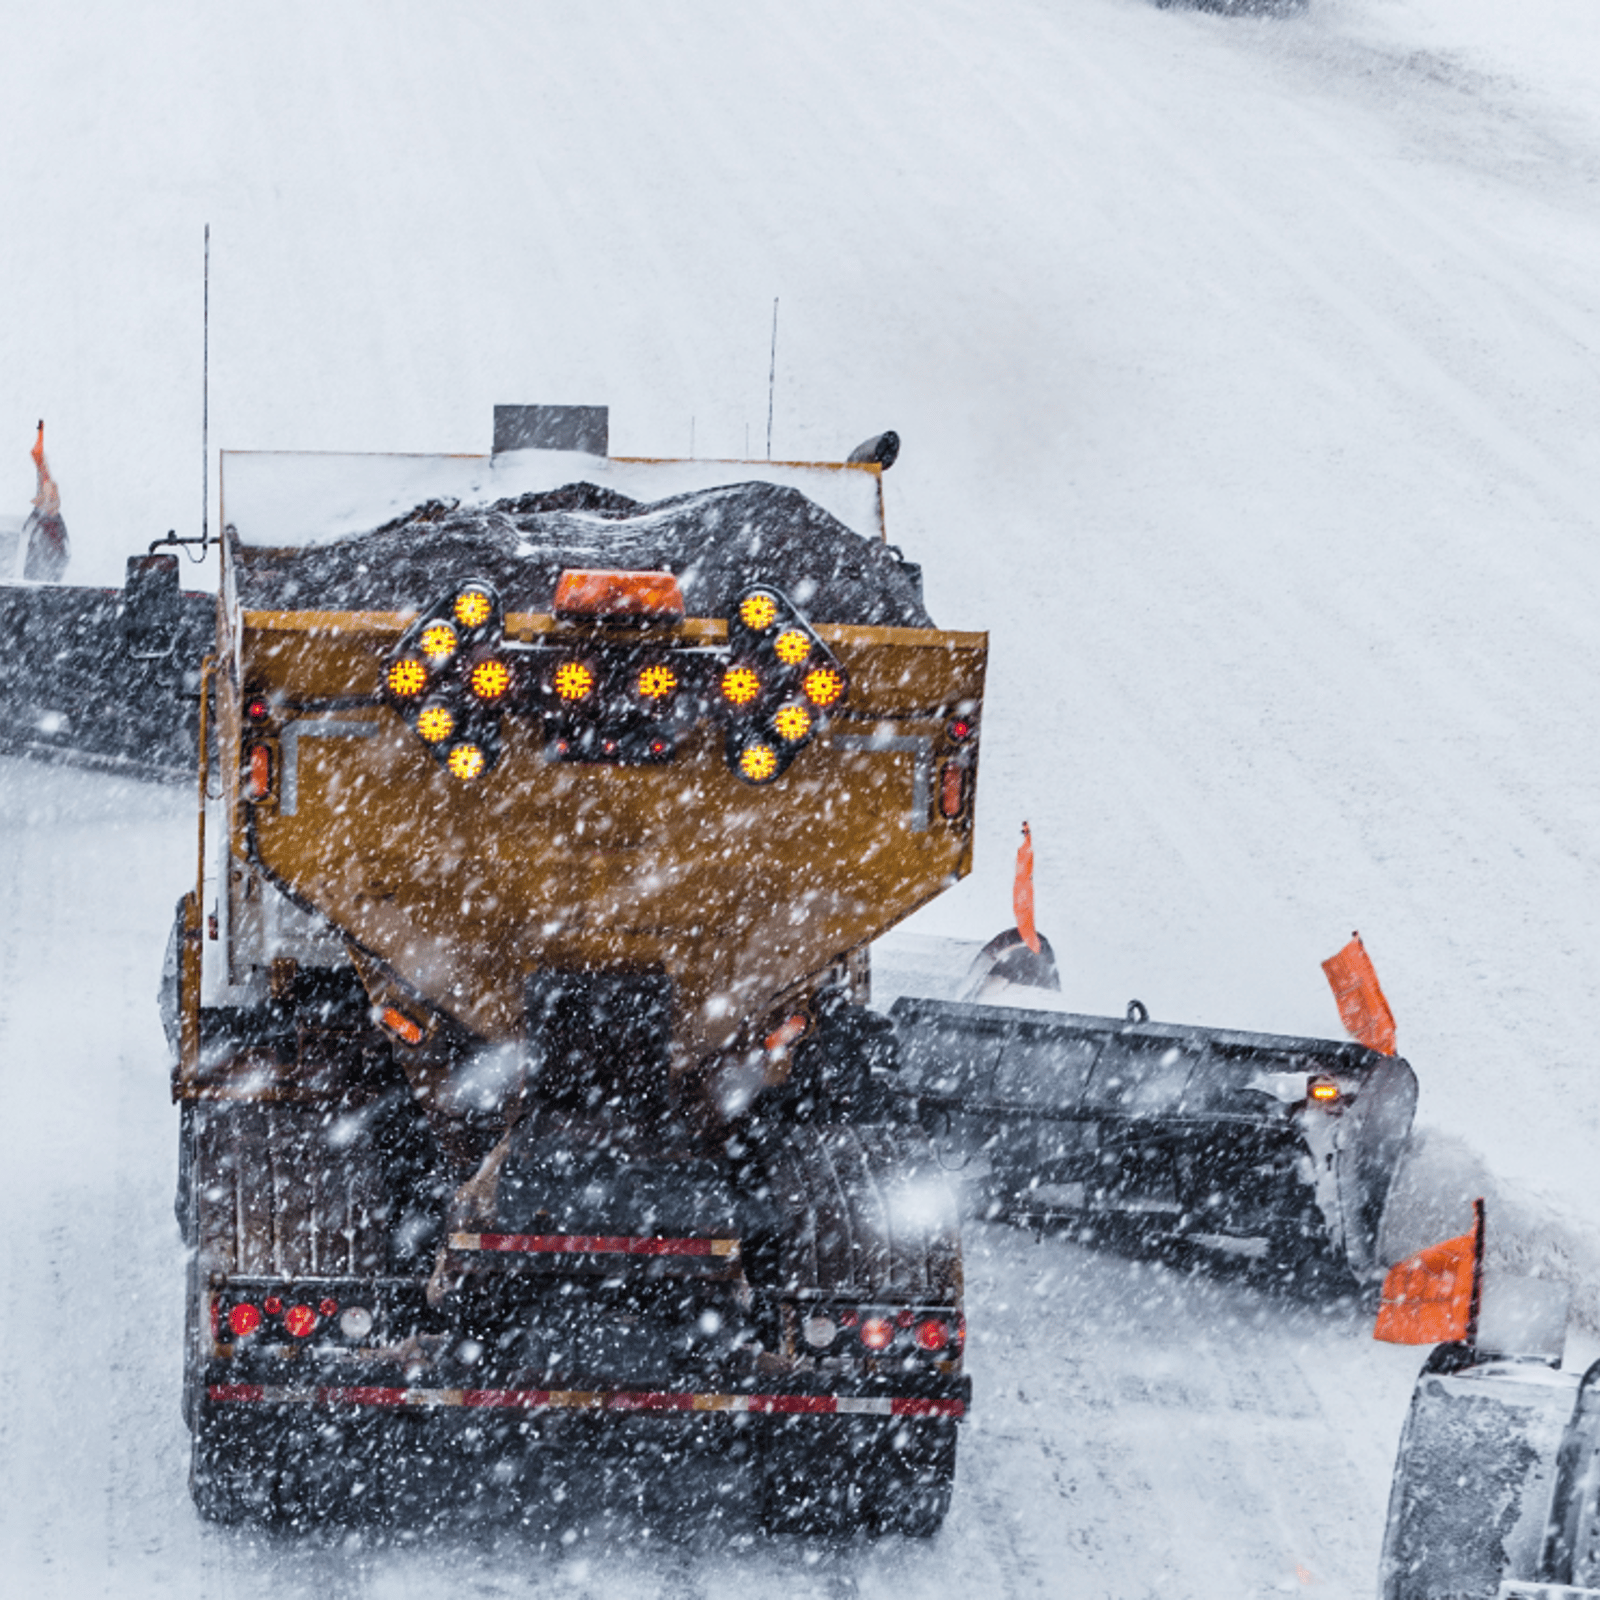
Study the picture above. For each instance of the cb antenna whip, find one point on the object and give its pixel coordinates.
(772, 374)
(205, 403)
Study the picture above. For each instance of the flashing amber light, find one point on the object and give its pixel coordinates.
(299, 1321)
(824, 686)
(465, 762)
(586, 593)
(490, 679)
(758, 762)
(932, 1334)
(741, 686)
(791, 647)
(656, 681)
(877, 1333)
(758, 611)
(401, 1026)
(473, 608)
(438, 642)
(436, 723)
(259, 784)
(792, 723)
(787, 1032)
(407, 677)
(574, 681)
(1323, 1090)
(243, 1320)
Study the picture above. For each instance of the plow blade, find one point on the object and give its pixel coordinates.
(1251, 1143)
(106, 678)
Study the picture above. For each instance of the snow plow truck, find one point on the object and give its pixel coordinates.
(533, 1113)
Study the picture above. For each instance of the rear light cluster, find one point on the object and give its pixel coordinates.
(955, 774)
(607, 698)
(295, 1315)
(933, 1334)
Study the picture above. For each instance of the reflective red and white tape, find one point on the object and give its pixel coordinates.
(591, 1244)
(826, 1405)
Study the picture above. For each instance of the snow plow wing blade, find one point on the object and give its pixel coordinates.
(1496, 1491)
(106, 678)
(1249, 1142)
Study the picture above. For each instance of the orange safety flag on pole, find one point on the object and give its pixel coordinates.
(1362, 1007)
(47, 497)
(1433, 1296)
(1022, 892)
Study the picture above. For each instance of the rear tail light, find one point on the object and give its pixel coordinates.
(877, 1333)
(932, 1334)
(792, 1028)
(299, 1321)
(244, 1319)
(1324, 1091)
(327, 1308)
(960, 729)
(272, 1305)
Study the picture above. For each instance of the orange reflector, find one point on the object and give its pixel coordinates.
(299, 1321)
(439, 641)
(401, 1026)
(787, 1031)
(740, 686)
(473, 608)
(758, 762)
(243, 1320)
(1323, 1090)
(436, 723)
(407, 677)
(574, 680)
(490, 679)
(877, 1333)
(791, 647)
(1432, 1297)
(792, 723)
(952, 788)
(465, 762)
(823, 686)
(586, 593)
(657, 681)
(259, 784)
(758, 611)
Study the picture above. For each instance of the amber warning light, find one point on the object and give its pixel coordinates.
(583, 592)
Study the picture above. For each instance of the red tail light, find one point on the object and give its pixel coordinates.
(932, 1334)
(877, 1333)
(328, 1307)
(243, 1320)
(952, 788)
(299, 1320)
(273, 1305)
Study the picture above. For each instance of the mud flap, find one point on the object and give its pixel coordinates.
(1473, 1479)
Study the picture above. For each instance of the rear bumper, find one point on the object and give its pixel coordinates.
(944, 1397)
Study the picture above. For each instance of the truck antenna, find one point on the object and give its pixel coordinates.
(204, 541)
(772, 374)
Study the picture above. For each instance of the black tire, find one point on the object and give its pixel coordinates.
(808, 1480)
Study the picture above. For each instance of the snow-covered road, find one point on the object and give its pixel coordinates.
(1248, 373)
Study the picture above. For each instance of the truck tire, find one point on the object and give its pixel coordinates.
(915, 1477)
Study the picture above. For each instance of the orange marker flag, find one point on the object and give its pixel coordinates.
(1432, 1297)
(1362, 1007)
(1022, 892)
(47, 497)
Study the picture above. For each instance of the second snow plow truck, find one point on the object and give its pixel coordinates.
(532, 1112)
